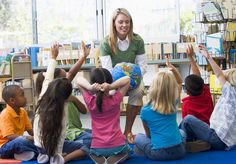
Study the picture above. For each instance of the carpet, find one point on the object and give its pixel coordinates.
(214, 157)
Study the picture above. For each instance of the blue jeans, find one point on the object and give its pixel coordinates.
(143, 147)
(70, 146)
(85, 138)
(18, 145)
(196, 129)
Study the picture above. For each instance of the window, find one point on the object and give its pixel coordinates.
(154, 20)
(67, 21)
(15, 23)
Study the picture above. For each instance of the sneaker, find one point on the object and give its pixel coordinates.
(117, 158)
(57, 159)
(42, 158)
(25, 156)
(197, 146)
(98, 159)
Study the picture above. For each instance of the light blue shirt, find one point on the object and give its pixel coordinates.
(163, 128)
(223, 118)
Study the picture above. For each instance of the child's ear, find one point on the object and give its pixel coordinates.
(11, 100)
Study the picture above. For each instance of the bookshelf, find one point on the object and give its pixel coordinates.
(172, 61)
(85, 67)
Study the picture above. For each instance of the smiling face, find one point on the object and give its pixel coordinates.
(122, 26)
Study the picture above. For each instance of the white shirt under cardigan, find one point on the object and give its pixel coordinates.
(123, 45)
(37, 135)
(223, 118)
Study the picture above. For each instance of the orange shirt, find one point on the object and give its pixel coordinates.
(12, 123)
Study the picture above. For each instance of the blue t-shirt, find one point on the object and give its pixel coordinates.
(163, 128)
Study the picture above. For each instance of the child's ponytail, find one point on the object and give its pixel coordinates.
(99, 100)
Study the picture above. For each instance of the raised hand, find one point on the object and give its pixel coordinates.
(168, 64)
(54, 50)
(85, 51)
(190, 51)
(204, 51)
(95, 87)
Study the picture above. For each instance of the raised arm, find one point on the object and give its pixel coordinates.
(217, 70)
(76, 67)
(192, 62)
(80, 106)
(83, 85)
(175, 72)
(49, 76)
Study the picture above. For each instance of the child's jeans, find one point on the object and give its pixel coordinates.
(143, 147)
(196, 129)
(18, 145)
(85, 138)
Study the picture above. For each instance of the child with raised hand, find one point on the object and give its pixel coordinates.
(51, 115)
(162, 140)
(198, 102)
(221, 132)
(108, 143)
(14, 121)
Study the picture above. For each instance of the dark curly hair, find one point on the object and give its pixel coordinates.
(194, 85)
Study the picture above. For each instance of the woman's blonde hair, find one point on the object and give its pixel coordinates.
(230, 76)
(112, 39)
(164, 92)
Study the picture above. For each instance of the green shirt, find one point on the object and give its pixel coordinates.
(74, 125)
(136, 47)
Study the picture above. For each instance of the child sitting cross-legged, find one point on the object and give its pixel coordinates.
(220, 134)
(108, 143)
(14, 121)
(163, 140)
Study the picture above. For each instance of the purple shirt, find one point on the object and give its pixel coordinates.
(106, 131)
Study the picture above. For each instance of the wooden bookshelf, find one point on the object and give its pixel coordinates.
(172, 61)
(85, 67)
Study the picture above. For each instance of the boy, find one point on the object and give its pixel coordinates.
(199, 102)
(14, 122)
(221, 132)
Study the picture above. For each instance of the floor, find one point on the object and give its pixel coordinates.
(137, 127)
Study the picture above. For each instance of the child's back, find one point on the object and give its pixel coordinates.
(199, 102)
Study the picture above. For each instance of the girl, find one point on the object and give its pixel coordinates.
(51, 113)
(163, 139)
(108, 143)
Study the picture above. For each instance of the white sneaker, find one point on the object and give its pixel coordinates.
(25, 156)
(42, 158)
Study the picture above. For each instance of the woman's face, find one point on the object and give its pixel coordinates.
(122, 25)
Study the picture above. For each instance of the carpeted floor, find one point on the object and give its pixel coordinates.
(213, 157)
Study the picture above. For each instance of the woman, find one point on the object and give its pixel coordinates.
(123, 45)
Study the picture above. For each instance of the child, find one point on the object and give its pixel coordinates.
(221, 132)
(163, 140)
(108, 143)
(14, 121)
(51, 113)
(74, 130)
(199, 102)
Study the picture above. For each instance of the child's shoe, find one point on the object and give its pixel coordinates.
(117, 158)
(98, 159)
(197, 146)
(25, 156)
